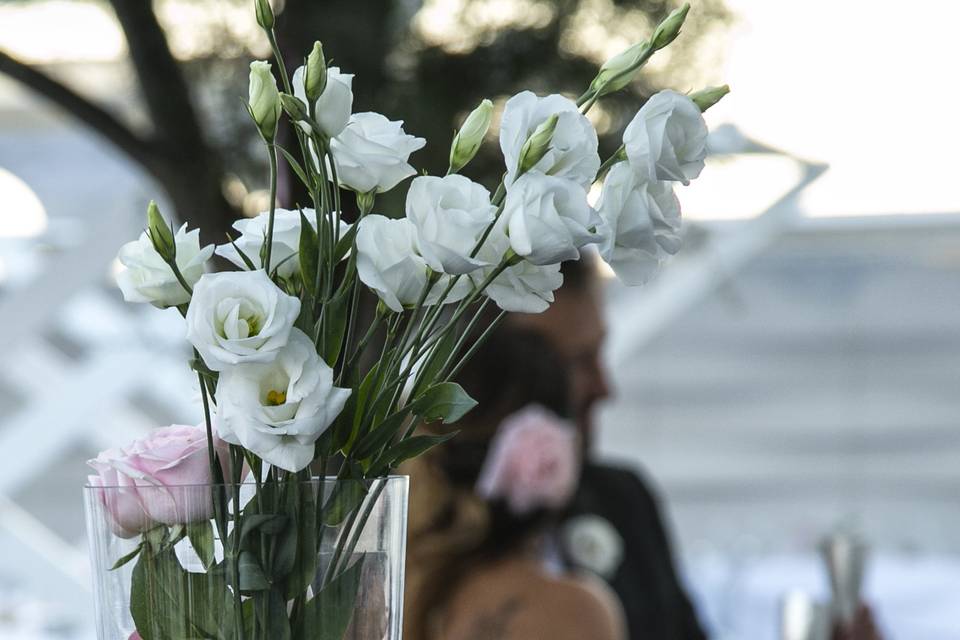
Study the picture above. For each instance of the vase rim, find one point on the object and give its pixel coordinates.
(391, 479)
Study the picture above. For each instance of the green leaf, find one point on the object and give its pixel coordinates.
(438, 358)
(379, 436)
(167, 602)
(411, 448)
(347, 496)
(156, 537)
(243, 256)
(309, 254)
(127, 558)
(268, 523)
(335, 314)
(285, 554)
(252, 577)
(327, 616)
(140, 607)
(278, 623)
(201, 539)
(446, 401)
(177, 533)
(348, 423)
(297, 168)
(305, 567)
(346, 243)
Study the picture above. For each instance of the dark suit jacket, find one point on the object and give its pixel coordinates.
(655, 603)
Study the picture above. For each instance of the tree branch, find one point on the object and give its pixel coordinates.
(164, 88)
(92, 115)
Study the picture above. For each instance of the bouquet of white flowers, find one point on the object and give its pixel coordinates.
(294, 384)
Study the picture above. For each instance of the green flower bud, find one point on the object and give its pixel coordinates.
(264, 14)
(365, 201)
(316, 77)
(468, 140)
(294, 107)
(160, 233)
(619, 71)
(669, 29)
(706, 98)
(264, 99)
(537, 144)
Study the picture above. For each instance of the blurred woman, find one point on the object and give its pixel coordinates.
(482, 564)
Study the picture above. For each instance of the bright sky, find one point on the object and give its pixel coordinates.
(867, 86)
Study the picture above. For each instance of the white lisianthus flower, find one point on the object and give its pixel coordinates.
(238, 317)
(334, 105)
(548, 219)
(523, 287)
(264, 98)
(667, 139)
(372, 152)
(641, 224)
(286, 240)
(147, 278)
(389, 262)
(450, 214)
(573, 148)
(279, 409)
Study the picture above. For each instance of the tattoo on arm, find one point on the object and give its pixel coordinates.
(492, 625)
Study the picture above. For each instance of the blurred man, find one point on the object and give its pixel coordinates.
(655, 603)
(654, 600)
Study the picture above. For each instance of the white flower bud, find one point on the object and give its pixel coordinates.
(332, 107)
(619, 71)
(294, 108)
(264, 99)
(316, 76)
(572, 149)
(669, 29)
(706, 98)
(149, 277)
(537, 144)
(160, 233)
(468, 140)
(264, 14)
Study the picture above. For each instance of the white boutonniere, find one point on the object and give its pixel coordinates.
(593, 544)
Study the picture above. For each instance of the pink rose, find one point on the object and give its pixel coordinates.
(163, 478)
(134, 636)
(532, 462)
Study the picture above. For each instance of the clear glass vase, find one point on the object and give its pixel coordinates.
(305, 560)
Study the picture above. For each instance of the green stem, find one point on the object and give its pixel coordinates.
(273, 207)
(284, 78)
(347, 542)
(609, 162)
(461, 341)
(473, 348)
(237, 464)
(179, 276)
(499, 194)
(219, 516)
(349, 362)
(591, 95)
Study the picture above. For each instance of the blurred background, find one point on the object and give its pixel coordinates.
(792, 373)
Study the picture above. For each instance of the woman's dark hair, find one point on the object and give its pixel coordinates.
(515, 368)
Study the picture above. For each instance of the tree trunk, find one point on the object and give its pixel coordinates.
(190, 171)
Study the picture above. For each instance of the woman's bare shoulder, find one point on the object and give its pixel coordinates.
(518, 601)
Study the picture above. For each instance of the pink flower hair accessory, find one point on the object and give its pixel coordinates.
(532, 462)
